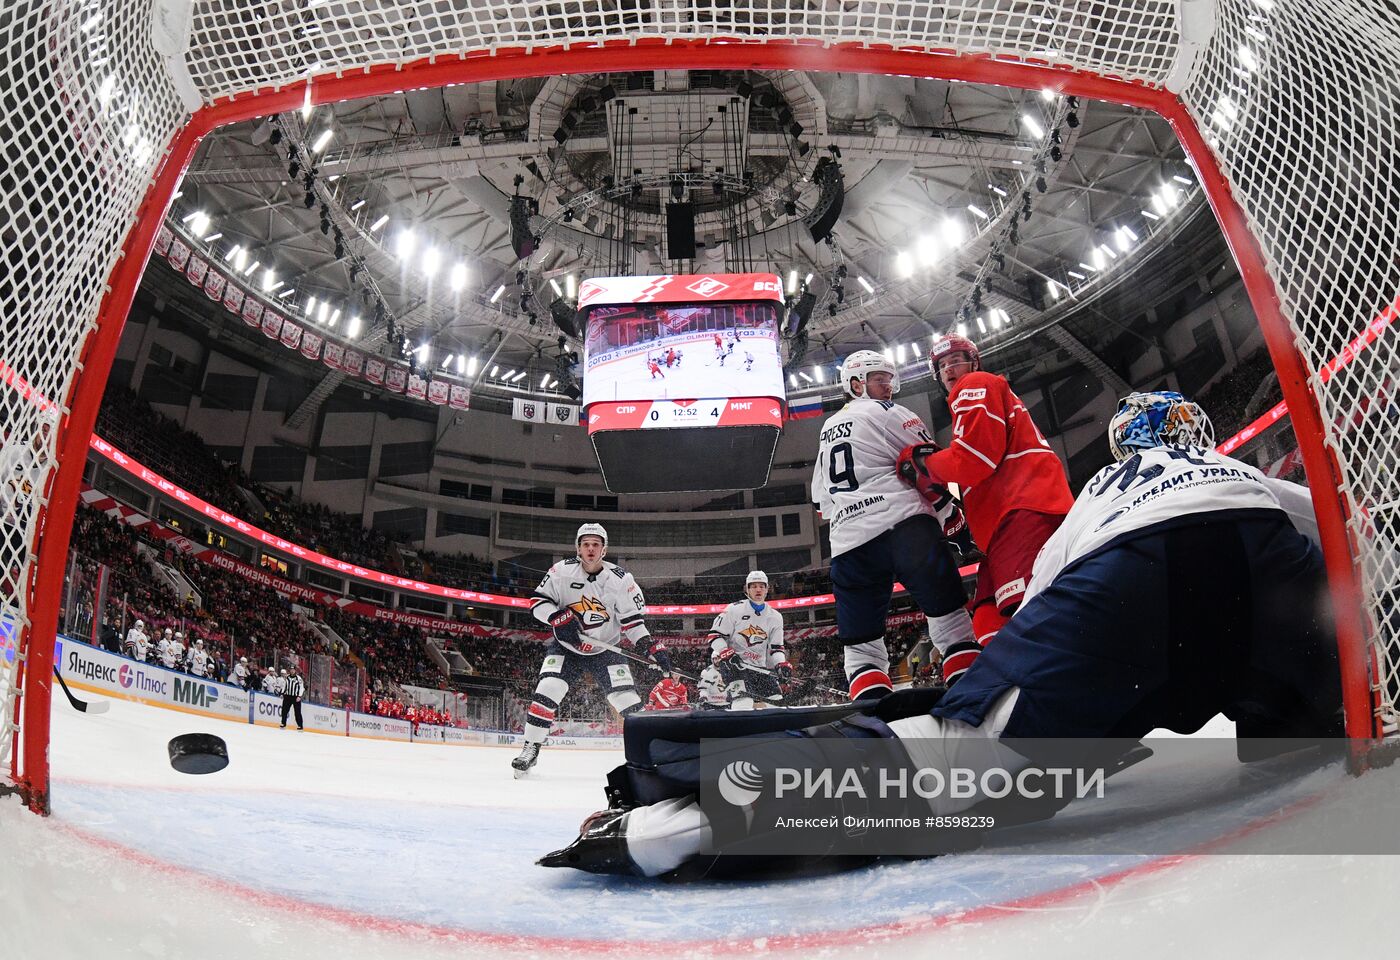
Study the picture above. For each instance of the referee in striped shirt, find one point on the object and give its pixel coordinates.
(293, 689)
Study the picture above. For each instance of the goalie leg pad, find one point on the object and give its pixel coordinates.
(663, 750)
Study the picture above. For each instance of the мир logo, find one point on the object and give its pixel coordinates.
(740, 783)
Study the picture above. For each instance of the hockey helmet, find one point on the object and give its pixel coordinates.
(591, 530)
(1160, 418)
(140, 623)
(862, 363)
(953, 343)
(756, 576)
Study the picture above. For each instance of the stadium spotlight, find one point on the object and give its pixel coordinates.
(357, 204)
(322, 140)
(352, 329)
(459, 276)
(432, 258)
(1032, 127)
(379, 223)
(471, 367)
(497, 295)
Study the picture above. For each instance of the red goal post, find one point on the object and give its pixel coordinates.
(1271, 101)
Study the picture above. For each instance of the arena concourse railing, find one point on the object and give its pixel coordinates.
(107, 102)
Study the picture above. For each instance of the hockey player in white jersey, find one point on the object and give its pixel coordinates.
(137, 643)
(177, 651)
(198, 661)
(595, 610)
(1182, 584)
(881, 529)
(163, 649)
(746, 644)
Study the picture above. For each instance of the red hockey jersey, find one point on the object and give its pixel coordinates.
(998, 457)
(667, 695)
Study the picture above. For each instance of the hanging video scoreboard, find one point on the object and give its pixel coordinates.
(683, 379)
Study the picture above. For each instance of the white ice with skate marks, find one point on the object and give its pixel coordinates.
(702, 371)
(319, 846)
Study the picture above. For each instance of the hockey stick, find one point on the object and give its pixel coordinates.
(644, 661)
(82, 706)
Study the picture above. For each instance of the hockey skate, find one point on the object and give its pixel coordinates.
(529, 756)
(600, 847)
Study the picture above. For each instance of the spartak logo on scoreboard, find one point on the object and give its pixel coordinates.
(682, 288)
(708, 286)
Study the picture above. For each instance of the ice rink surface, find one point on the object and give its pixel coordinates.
(312, 846)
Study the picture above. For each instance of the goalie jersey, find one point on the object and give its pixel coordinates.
(757, 636)
(1159, 487)
(609, 604)
(854, 483)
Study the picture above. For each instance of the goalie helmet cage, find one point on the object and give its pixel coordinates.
(1287, 112)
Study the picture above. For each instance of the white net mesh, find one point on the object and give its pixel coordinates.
(1298, 100)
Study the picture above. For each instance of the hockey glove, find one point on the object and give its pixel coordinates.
(661, 656)
(912, 470)
(729, 664)
(959, 657)
(784, 673)
(566, 627)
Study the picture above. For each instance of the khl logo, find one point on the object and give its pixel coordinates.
(740, 783)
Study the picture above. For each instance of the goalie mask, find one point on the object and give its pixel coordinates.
(862, 363)
(1163, 418)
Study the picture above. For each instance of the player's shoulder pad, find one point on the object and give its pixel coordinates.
(980, 380)
(618, 571)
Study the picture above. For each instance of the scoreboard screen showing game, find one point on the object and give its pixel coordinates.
(678, 344)
(682, 354)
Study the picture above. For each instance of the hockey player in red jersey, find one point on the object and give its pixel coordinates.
(655, 368)
(1015, 493)
(668, 694)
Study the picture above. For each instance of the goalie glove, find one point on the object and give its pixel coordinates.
(784, 674)
(911, 467)
(566, 627)
(729, 664)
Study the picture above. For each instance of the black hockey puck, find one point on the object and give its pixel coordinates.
(198, 753)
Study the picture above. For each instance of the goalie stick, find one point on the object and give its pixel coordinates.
(82, 706)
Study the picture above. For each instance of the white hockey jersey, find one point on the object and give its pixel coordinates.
(199, 662)
(757, 636)
(163, 653)
(609, 604)
(712, 688)
(138, 643)
(854, 483)
(1159, 485)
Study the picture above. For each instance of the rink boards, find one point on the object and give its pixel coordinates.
(99, 671)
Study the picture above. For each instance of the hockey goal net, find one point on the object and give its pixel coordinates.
(1287, 110)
